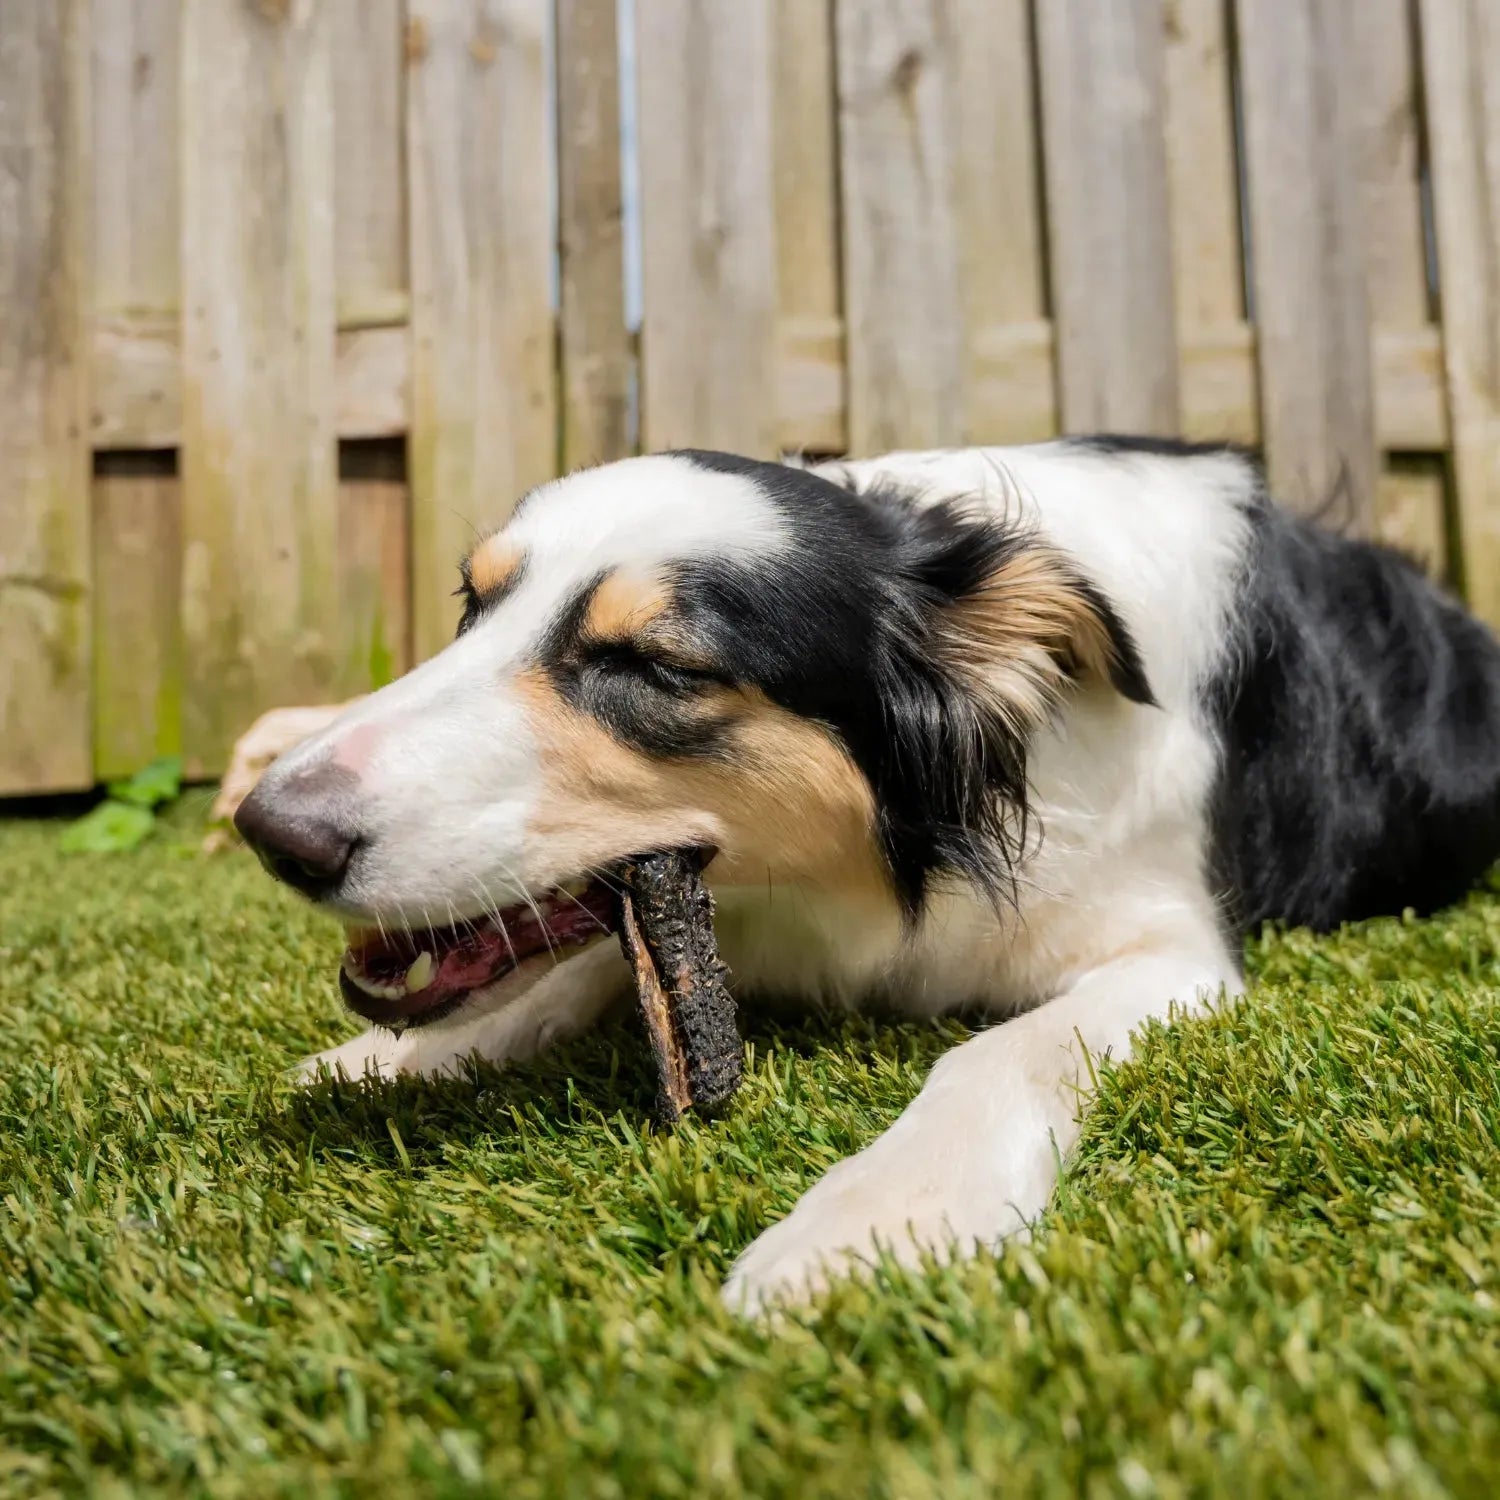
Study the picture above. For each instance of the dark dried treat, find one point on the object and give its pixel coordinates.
(667, 933)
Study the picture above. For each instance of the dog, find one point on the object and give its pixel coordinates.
(1035, 734)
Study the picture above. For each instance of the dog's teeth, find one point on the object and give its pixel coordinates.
(574, 888)
(379, 991)
(419, 976)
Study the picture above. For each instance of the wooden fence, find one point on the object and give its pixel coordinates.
(294, 292)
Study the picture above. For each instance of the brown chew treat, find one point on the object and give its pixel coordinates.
(667, 933)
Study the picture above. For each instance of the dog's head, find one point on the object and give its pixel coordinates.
(687, 651)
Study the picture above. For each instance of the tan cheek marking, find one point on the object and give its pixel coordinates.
(493, 564)
(789, 804)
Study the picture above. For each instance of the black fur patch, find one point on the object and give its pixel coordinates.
(1359, 710)
(842, 628)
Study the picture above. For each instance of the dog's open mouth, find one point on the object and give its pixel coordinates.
(407, 978)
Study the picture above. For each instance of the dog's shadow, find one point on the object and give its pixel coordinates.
(610, 1073)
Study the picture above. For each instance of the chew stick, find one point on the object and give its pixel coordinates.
(667, 934)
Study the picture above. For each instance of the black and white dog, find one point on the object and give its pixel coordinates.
(1032, 733)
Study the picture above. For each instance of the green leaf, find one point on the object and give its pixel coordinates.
(152, 785)
(109, 827)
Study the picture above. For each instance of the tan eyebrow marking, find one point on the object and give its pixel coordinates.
(494, 564)
(623, 606)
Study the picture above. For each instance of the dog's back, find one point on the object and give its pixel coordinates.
(1360, 714)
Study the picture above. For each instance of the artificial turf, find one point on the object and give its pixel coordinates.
(1274, 1267)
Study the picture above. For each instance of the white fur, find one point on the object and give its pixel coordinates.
(1115, 922)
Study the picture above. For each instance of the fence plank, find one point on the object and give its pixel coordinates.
(810, 381)
(708, 246)
(484, 387)
(1409, 504)
(1461, 53)
(369, 220)
(374, 567)
(1010, 393)
(260, 496)
(369, 208)
(595, 344)
(1311, 301)
(903, 323)
(1218, 370)
(1103, 104)
(137, 651)
(44, 479)
(138, 690)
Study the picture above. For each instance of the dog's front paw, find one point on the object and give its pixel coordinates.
(375, 1053)
(840, 1228)
(910, 1198)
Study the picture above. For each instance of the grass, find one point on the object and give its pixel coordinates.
(1273, 1269)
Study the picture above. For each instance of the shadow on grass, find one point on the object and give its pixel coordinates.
(608, 1074)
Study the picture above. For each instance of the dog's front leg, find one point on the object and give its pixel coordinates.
(974, 1157)
(525, 1013)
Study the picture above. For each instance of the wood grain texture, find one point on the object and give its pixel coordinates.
(1009, 394)
(374, 638)
(137, 540)
(1311, 305)
(810, 334)
(1461, 58)
(1409, 496)
(903, 317)
(44, 476)
(137, 230)
(373, 345)
(1217, 378)
(708, 226)
(594, 342)
(259, 476)
(369, 180)
(484, 379)
(1103, 106)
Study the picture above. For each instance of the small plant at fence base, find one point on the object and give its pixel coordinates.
(128, 814)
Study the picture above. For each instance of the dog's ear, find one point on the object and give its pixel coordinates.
(1030, 627)
(988, 628)
(1013, 618)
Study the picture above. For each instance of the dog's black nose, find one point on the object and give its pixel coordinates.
(300, 827)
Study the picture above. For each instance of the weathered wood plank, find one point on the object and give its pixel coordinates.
(136, 219)
(137, 229)
(137, 383)
(1001, 236)
(904, 324)
(374, 643)
(1217, 382)
(1103, 104)
(1311, 304)
(595, 344)
(708, 229)
(136, 626)
(484, 380)
(44, 476)
(369, 209)
(1461, 58)
(259, 475)
(1409, 499)
(810, 340)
